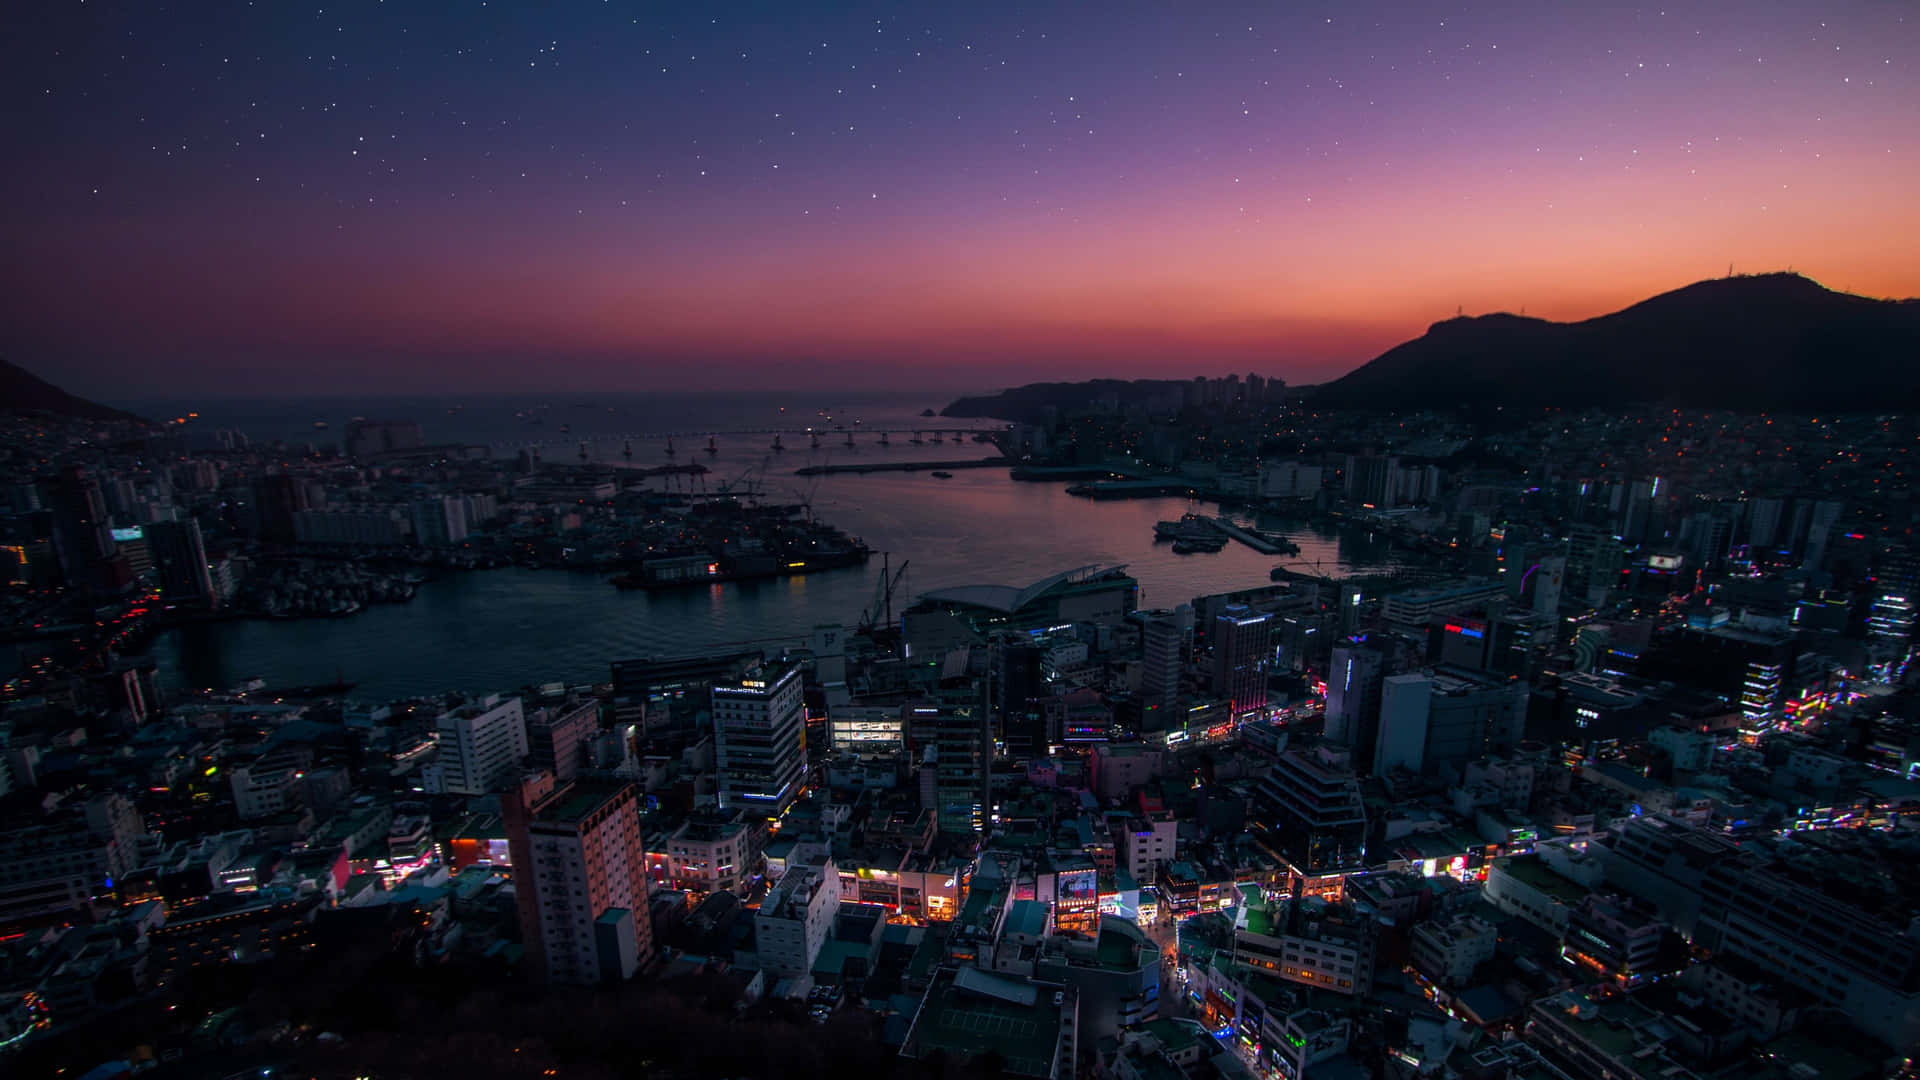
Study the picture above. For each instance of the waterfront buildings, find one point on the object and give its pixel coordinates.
(481, 745)
(760, 740)
(947, 617)
(179, 553)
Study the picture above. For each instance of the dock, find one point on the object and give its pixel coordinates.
(1257, 543)
(900, 466)
(1134, 489)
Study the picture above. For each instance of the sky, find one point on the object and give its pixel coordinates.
(279, 197)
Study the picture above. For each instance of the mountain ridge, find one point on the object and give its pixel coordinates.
(23, 391)
(1769, 342)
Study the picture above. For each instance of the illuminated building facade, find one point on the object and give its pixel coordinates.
(1760, 698)
(1242, 657)
(580, 878)
(1309, 812)
(760, 740)
(961, 742)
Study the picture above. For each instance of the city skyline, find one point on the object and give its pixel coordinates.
(376, 199)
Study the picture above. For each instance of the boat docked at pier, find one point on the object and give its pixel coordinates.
(1190, 527)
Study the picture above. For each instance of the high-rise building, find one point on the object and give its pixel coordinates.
(83, 535)
(1433, 719)
(1309, 812)
(1897, 575)
(1594, 558)
(1369, 479)
(1760, 697)
(1549, 578)
(1161, 638)
(1242, 654)
(1763, 523)
(580, 878)
(956, 744)
(180, 554)
(1353, 697)
(439, 521)
(277, 497)
(673, 696)
(760, 739)
(481, 745)
(1820, 526)
(557, 737)
(1021, 689)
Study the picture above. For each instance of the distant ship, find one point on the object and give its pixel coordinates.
(942, 474)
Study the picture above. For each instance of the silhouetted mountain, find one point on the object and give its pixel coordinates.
(1767, 342)
(23, 391)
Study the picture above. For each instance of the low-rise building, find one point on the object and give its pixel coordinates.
(1308, 941)
(707, 856)
(967, 1013)
(1600, 1035)
(1448, 951)
(794, 919)
(1523, 885)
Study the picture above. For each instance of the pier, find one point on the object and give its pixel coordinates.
(841, 437)
(900, 466)
(1258, 543)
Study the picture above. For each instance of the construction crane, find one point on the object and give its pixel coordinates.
(804, 496)
(735, 487)
(883, 589)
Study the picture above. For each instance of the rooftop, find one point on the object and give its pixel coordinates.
(580, 801)
(1530, 871)
(1027, 917)
(1619, 1028)
(971, 1012)
(1175, 1035)
(1008, 600)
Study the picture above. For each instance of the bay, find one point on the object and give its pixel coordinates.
(505, 628)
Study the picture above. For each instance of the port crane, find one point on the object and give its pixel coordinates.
(871, 619)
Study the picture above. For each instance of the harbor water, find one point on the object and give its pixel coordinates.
(503, 628)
